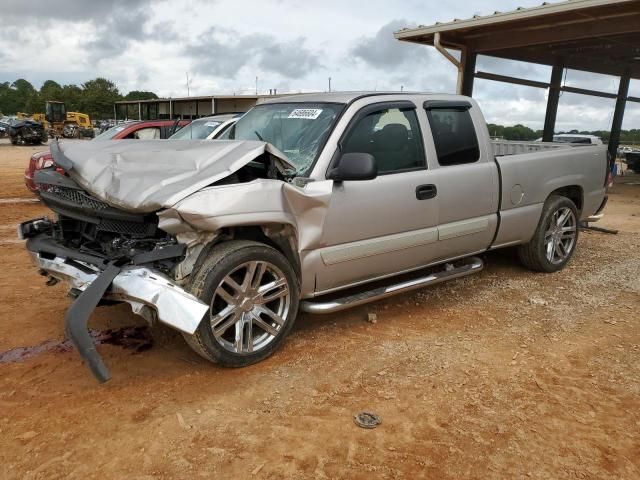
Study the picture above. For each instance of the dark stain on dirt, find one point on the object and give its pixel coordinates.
(137, 339)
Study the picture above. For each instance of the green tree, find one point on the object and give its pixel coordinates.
(51, 90)
(495, 130)
(140, 95)
(98, 97)
(8, 99)
(72, 97)
(34, 103)
(22, 95)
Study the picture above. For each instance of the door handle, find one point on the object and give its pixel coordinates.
(425, 192)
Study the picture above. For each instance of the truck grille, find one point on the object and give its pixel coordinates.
(78, 197)
(128, 228)
(96, 215)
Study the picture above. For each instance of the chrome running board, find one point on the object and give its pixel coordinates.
(469, 266)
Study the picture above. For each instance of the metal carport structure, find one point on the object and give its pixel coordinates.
(598, 36)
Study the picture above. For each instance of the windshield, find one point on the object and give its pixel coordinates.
(196, 130)
(297, 129)
(109, 134)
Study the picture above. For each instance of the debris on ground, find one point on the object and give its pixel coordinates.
(538, 301)
(367, 420)
(181, 421)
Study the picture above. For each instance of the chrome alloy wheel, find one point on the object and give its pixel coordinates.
(249, 307)
(560, 236)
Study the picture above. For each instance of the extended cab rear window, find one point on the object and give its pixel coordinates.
(454, 134)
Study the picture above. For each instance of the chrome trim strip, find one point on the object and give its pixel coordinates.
(471, 265)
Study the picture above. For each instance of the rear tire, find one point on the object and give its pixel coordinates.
(555, 238)
(253, 295)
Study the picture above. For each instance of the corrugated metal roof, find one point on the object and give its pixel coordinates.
(520, 13)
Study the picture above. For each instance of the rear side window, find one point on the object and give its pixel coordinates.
(454, 136)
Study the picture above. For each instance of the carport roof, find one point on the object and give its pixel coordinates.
(193, 99)
(601, 36)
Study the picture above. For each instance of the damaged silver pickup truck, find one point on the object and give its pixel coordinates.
(314, 202)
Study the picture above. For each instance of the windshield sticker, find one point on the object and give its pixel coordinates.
(308, 113)
(212, 124)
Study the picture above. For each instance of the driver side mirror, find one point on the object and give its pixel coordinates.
(354, 166)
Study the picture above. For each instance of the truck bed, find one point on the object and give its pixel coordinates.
(527, 180)
(514, 147)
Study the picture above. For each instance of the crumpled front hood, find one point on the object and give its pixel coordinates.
(148, 175)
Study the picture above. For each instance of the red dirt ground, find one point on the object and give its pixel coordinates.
(503, 375)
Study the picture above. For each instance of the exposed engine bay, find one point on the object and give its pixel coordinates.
(91, 226)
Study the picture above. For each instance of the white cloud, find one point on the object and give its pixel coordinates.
(290, 45)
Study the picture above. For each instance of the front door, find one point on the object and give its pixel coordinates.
(386, 225)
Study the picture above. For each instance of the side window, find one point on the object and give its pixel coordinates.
(454, 136)
(392, 136)
(148, 133)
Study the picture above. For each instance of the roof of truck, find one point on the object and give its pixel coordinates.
(335, 97)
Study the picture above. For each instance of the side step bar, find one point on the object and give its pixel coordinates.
(469, 266)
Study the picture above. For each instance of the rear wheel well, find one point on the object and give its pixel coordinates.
(573, 193)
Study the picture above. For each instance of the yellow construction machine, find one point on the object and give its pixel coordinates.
(67, 124)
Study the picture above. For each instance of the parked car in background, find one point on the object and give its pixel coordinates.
(207, 128)
(9, 119)
(27, 132)
(577, 139)
(310, 203)
(144, 129)
(633, 161)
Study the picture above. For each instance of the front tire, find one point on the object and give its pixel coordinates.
(253, 295)
(555, 238)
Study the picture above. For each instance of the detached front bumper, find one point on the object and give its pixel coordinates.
(139, 286)
(149, 292)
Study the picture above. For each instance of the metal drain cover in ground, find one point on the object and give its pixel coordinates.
(367, 420)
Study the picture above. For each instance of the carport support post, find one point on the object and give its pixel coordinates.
(552, 103)
(618, 115)
(468, 72)
(139, 111)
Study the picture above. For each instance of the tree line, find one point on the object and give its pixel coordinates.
(94, 97)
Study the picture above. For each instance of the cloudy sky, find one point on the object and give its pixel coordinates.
(291, 45)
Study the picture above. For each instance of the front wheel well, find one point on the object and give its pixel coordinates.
(280, 237)
(573, 193)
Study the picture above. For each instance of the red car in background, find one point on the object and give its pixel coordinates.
(143, 130)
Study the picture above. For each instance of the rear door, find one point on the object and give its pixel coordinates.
(467, 178)
(385, 225)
